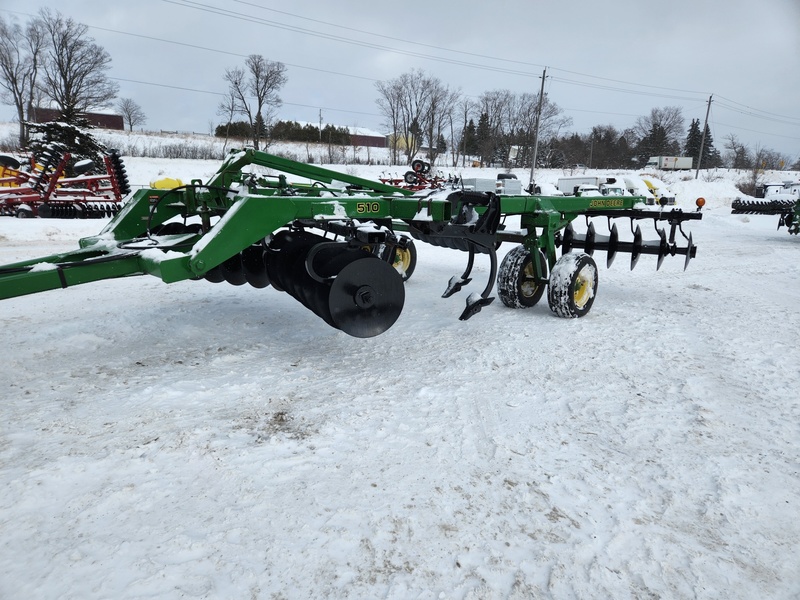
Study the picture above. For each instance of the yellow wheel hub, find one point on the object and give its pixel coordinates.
(528, 286)
(583, 288)
(402, 260)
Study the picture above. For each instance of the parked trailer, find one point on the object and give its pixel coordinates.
(669, 163)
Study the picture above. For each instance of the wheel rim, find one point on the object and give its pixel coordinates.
(402, 260)
(583, 287)
(527, 285)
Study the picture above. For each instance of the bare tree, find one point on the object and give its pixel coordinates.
(441, 106)
(510, 120)
(417, 108)
(414, 110)
(132, 113)
(466, 111)
(390, 96)
(20, 53)
(670, 118)
(738, 154)
(496, 106)
(261, 80)
(74, 67)
(227, 109)
(552, 120)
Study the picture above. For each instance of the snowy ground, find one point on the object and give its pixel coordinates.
(209, 441)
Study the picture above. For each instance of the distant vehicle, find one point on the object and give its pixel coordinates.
(616, 188)
(786, 190)
(605, 186)
(637, 187)
(669, 163)
(588, 190)
(659, 189)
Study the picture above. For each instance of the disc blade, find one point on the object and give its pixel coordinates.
(366, 297)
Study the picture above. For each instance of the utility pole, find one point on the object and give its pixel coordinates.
(536, 131)
(703, 138)
(320, 125)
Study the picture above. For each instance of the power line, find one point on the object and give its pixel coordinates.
(733, 105)
(650, 91)
(788, 137)
(750, 108)
(252, 19)
(766, 116)
(218, 51)
(164, 85)
(617, 89)
(463, 52)
(388, 37)
(186, 89)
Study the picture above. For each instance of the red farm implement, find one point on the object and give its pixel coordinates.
(45, 191)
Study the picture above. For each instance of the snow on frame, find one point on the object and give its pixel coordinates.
(194, 440)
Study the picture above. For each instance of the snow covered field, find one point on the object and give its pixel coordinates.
(208, 441)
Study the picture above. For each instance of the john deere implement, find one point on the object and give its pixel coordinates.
(340, 244)
(787, 210)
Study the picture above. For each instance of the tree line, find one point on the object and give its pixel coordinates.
(287, 131)
(51, 61)
(506, 129)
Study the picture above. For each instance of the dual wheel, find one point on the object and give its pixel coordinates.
(571, 286)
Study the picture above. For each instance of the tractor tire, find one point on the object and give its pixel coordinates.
(573, 285)
(24, 213)
(410, 177)
(417, 166)
(9, 162)
(404, 260)
(516, 279)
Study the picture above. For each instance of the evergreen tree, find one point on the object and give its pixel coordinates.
(73, 138)
(237, 129)
(693, 141)
(711, 156)
(260, 126)
(483, 137)
(655, 143)
(471, 139)
(441, 144)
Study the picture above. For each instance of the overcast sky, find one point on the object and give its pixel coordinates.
(607, 62)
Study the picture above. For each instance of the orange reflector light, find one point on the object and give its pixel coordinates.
(701, 202)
